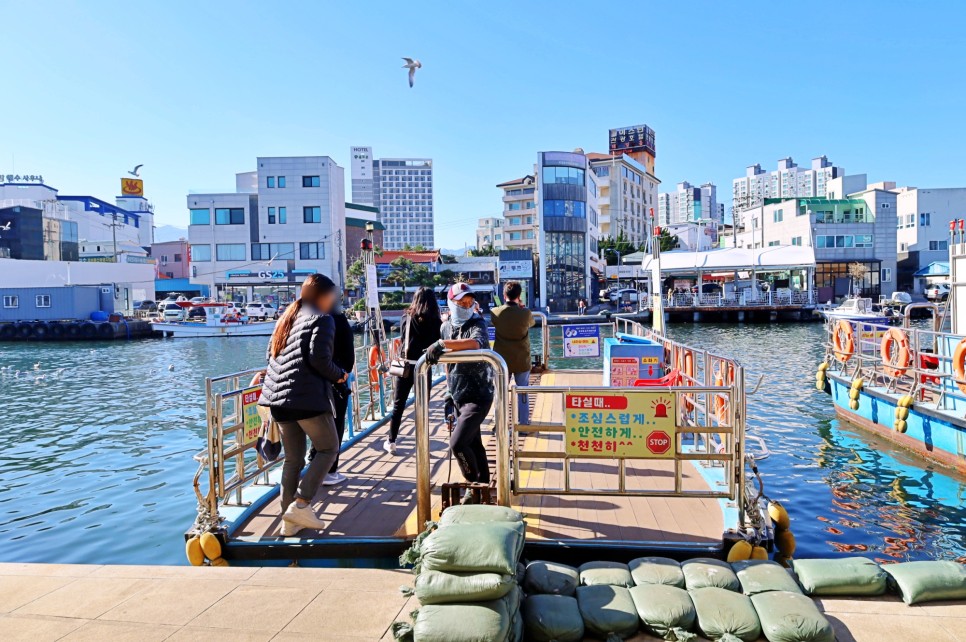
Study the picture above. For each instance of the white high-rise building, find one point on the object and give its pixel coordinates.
(402, 189)
(690, 204)
(788, 181)
(628, 196)
(489, 233)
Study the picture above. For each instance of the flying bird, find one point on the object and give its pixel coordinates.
(6, 228)
(412, 65)
(136, 172)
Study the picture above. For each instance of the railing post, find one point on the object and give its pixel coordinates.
(544, 337)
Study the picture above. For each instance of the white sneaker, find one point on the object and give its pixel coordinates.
(331, 479)
(303, 517)
(389, 447)
(289, 529)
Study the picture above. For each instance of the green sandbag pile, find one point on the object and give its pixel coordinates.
(762, 576)
(656, 570)
(466, 578)
(549, 578)
(608, 612)
(605, 574)
(725, 615)
(703, 572)
(850, 576)
(791, 617)
(552, 618)
(666, 611)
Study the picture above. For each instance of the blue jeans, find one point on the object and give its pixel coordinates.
(523, 405)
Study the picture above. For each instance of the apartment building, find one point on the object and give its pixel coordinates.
(520, 219)
(689, 203)
(787, 181)
(628, 196)
(489, 233)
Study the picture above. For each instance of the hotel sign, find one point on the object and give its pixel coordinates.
(639, 138)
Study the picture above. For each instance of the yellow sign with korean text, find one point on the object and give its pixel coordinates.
(132, 187)
(252, 420)
(621, 425)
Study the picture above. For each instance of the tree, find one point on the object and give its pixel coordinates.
(356, 273)
(405, 273)
(667, 240)
(857, 272)
(608, 248)
(486, 250)
(444, 277)
(414, 248)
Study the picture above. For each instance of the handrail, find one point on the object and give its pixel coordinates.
(922, 305)
(501, 384)
(544, 337)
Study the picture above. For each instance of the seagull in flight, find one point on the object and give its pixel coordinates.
(136, 172)
(412, 65)
(6, 228)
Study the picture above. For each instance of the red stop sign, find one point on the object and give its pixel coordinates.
(659, 442)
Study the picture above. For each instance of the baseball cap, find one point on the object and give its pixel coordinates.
(458, 290)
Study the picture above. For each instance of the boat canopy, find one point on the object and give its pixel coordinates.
(767, 259)
(936, 268)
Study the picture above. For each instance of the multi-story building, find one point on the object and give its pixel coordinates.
(857, 229)
(172, 258)
(627, 197)
(284, 221)
(358, 218)
(923, 217)
(788, 181)
(489, 233)
(520, 219)
(402, 189)
(690, 203)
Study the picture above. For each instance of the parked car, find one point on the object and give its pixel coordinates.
(937, 292)
(172, 312)
(172, 298)
(197, 313)
(629, 295)
(145, 306)
(259, 310)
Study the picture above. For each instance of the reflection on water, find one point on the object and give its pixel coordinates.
(96, 464)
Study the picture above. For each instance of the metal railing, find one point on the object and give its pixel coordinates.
(772, 298)
(544, 338)
(501, 384)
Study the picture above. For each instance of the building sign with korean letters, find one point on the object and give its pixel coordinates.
(22, 178)
(515, 270)
(620, 425)
(639, 138)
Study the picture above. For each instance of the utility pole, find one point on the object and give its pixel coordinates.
(114, 225)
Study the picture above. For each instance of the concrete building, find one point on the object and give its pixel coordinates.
(520, 218)
(489, 233)
(922, 218)
(694, 236)
(627, 197)
(787, 181)
(173, 259)
(688, 203)
(402, 190)
(357, 218)
(284, 221)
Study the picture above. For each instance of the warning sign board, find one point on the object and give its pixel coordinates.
(627, 424)
(253, 421)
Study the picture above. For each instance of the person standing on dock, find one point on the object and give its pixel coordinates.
(470, 384)
(512, 322)
(419, 329)
(297, 387)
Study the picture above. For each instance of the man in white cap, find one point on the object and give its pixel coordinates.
(470, 384)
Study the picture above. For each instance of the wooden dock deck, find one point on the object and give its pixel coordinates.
(379, 498)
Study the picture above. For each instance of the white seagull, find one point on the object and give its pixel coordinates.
(6, 228)
(136, 172)
(412, 65)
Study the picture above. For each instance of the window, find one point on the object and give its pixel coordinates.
(311, 250)
(312, 214)
(565, 208)
(778, 216)
(11, 301)
(863, 240)
(514, 206)
(903, 247)
(310, 181)
(938, 245)
(200, 216)
(270, 251)
(772, 243)
(886, 275)
(230, 216)
(513, 220)
(200, 252)
(885, 206)
(177, 258)
(924, 219)
(42, 301)
(271, 216)
(529, 234)
(796, 240)
(230, 252)
(281, 181)
(282, 216)
(516, 236)
(270, 182)
(568, 175)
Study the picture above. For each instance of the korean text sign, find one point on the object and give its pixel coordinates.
(581, 340)
(250, 416)
(627, 424)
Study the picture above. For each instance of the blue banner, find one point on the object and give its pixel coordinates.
(581, 340)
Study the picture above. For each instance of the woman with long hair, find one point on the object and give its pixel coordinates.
(297, 387)
(421, 324)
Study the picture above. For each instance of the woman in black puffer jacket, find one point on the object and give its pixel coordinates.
(297, 387)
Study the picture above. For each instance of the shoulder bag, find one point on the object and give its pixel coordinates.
(400, 366)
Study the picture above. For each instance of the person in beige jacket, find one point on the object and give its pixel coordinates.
(512, 322)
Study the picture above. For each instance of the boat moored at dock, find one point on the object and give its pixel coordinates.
(217, 321)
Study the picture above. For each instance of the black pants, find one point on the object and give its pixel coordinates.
(466, 441)
(400, 394)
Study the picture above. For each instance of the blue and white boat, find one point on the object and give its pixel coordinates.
(907, 384)
(858, 309)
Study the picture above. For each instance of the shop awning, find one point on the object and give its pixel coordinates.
(768, 259)
(936, 268)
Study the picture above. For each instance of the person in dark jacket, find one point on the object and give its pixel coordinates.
(470, 384)
(512, 323)
(422, 324)
(297, 388)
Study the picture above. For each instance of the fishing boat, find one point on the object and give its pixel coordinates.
(218, 321)
(860, 309)
(907, 384)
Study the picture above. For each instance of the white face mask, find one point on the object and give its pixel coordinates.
(459, 315)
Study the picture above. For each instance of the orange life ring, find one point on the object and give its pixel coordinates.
(895, 352)
(375, 360)
(959, 365)
(724, 373)
(843, 340)
(394, 349)
(687, 367)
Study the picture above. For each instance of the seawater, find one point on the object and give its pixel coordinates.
(96, 461)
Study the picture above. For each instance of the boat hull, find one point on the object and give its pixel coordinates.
(199, 330)
(934, 436)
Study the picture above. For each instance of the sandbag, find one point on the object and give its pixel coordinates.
(471, 622)
(478, 514)
(702, 572)
(438, 587)
(928, 581)
(725, 615)
(844, 576)
(473, 548)
(761, 576)
(548, 578)
(656, 570)
(666, 611)
(791, 617)
(605, 573)
(608, 611)
(552, 618)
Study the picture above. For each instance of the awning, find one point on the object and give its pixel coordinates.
(768, 259)
(936, 268)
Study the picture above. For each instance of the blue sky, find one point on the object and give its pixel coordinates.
(197, 90)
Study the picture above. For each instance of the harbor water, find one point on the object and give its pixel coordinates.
(96, 463)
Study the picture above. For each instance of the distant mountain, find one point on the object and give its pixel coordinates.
(458, 252)
(167, 233)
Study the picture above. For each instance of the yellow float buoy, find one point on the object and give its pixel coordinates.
(759, 553)
(740, 551)
(192, 548)
(785, 542)
(900, 425)
(779, 515)
(823, 366)
(858, 383)
(902, 413)
(854, 404)
(219, 561)
(820, 385)
(211, 546)
(906, 401)
(854, 394)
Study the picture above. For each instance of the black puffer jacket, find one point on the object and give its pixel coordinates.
(301, 376)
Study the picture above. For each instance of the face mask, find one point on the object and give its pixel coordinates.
(459, 315)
